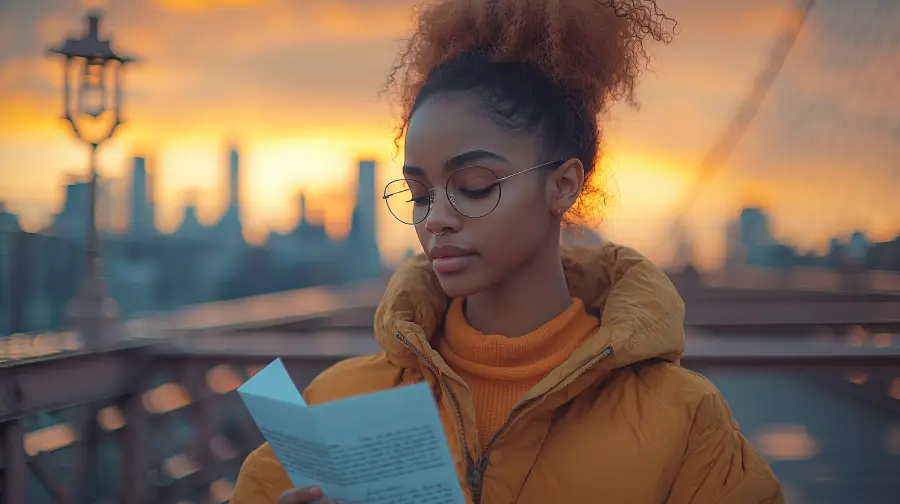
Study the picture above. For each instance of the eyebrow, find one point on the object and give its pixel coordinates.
(458, 161)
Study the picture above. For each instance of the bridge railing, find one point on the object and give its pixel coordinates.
(159, 422)
(156, 419)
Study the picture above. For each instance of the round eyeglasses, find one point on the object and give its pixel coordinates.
(473, 191)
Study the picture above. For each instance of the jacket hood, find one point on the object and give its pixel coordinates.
(641, 314)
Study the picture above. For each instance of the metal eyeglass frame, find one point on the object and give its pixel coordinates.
(452, 198)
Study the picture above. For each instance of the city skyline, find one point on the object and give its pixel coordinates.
(137, 194)
(116, 210)
(148, 271)
(300, 98)
(127, 205)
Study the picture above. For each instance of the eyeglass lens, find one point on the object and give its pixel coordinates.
(473, 191)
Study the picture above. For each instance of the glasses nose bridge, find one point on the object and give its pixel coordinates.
(433, 193)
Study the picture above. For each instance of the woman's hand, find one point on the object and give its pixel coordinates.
(302, 495)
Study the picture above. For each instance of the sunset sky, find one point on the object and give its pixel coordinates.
(295, 83)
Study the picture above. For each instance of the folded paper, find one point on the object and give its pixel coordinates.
(379, 448)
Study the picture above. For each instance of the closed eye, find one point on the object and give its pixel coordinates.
(476, 193)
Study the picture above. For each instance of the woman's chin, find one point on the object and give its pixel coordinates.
(460, 285)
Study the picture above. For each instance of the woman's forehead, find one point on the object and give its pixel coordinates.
(444, 131)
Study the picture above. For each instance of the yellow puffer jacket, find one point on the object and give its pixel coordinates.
(620, 421)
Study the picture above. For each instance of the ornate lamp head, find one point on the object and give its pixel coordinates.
(97, 74)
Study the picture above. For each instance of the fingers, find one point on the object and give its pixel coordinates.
(303, 495)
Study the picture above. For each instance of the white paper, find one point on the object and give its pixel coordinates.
(382, 448)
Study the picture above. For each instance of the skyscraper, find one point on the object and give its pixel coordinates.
(234, 178)
(365, 201)
(362, 243)
(141, 219)
(11, 278)
(755, 228)
(151, 195)
(229, 229)
(302, 221)
(71, 219)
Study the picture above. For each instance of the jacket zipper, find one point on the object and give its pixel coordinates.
(470, 465)
(476, 478)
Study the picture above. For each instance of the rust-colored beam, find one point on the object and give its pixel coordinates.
(267, 310)
(791, 363)
(133, 482)
(69, 379)
(14, 482)
(775, 312)
(800, 354)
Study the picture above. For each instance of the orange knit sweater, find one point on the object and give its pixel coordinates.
(499, 370)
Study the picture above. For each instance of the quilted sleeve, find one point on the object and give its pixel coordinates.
(720, 466)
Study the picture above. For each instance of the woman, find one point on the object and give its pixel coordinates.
(555, 371)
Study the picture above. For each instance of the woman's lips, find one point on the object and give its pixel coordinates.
(451, 264)
(447, 259)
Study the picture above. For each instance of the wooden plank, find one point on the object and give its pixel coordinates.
(204, 421)
(14, 484)
(133, 488)
(804, 279)
(759, 350)
(800, 313)
(68, 380)
(265, 310)
(326, 343)
(795, 353)
(191, 485)
(790, 363)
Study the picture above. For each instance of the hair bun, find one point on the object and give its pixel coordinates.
(592, 48)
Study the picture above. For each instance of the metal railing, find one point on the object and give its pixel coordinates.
(156, 420)
(160, 423)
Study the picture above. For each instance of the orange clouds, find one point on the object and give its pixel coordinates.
(195, 6)
(246, 26)
(26, 73)
(364, 19)
(24, 114)
(726, 22)
(277, 73)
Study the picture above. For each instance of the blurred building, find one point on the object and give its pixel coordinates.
(229, 229)
(363, 259)
(141, 219)
(190, 227)
(150, 272)
(10, 276)
(756, 235)
(857, 249)
(9, 222)
(71, 220)
(305, 255)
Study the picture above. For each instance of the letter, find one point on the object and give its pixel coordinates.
(380, 448)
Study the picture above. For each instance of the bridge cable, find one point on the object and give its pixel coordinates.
(714, 160)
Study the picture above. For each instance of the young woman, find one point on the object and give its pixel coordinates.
(555, 371)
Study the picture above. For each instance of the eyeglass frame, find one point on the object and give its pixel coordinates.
(431, 191)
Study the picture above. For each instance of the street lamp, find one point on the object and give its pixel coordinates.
(93, 74)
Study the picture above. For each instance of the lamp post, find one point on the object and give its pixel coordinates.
(92, 105)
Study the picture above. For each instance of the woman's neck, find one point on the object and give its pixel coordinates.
(529, 298)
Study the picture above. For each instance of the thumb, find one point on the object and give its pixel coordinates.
(301, 495)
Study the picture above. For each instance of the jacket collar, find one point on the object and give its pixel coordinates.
(641, 313)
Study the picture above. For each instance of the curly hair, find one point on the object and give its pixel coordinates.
(545, 66)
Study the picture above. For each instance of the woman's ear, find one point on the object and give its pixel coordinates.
(567, 182)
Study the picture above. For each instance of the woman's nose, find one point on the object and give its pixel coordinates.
(442, 215)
